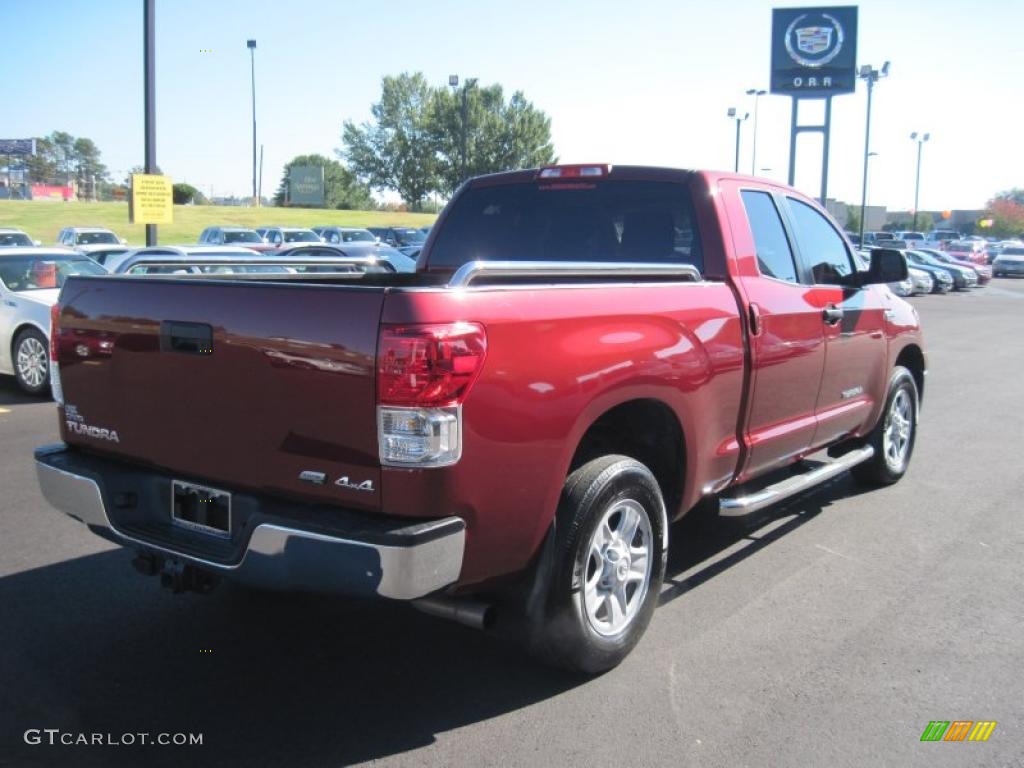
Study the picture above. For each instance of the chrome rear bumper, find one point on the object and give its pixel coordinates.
(405, 562)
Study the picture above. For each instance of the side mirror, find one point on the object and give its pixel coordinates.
(887, 266)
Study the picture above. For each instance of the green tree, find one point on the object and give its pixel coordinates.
(135, 169)
(1015, 195)
(184, 194)
(341, 187)
(42, 166)
(89, 171)
(500, 135)
(852, 219)
(394, 150)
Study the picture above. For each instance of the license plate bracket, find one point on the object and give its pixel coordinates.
(201, 508)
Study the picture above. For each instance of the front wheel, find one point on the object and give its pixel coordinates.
(894, 436)
(32, 361)
(610, 553)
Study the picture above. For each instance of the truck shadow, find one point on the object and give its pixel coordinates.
(703, 545)
(90, 647)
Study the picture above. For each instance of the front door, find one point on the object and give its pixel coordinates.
(853, 323)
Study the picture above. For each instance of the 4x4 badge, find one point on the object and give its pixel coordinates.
(344, 482)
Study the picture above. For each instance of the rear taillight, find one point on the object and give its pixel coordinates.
(54, 331)
(428, 365)
(55, 388)
(424, 372)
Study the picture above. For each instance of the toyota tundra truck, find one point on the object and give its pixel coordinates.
(583, 355)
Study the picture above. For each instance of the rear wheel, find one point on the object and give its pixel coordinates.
(608, 569)
(894, 435)
(32, 361)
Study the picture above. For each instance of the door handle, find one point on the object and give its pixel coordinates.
(832, 315)
(754, 312)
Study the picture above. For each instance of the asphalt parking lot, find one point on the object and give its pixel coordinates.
(828, 632)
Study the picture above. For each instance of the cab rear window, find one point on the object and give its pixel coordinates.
(604, 221)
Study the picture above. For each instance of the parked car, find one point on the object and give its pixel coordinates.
(15, 238)
(1010, 262)
(101, 253)
(948, 275)
(353, 249)
(912, 239)
(242, 236)
(967, 250)
(982, 271)
(399, 236)
(77, 237)
(347, 235)
(921, 281)
(30, 280)
(126, 263)
(875, 238)
(279, 236)
(937, 236)
(584, 355)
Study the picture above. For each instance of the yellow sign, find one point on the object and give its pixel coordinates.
(152, 199)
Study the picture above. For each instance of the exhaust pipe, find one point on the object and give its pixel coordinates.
(472, 613)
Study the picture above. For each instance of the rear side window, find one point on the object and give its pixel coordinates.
(821, 247)
(638, 221)
(774, 255)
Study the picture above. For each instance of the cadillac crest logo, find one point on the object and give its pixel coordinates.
(814, 39)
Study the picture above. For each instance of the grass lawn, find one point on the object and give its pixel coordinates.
(43, 220)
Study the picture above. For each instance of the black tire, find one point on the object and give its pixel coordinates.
(563, 634)
(29, 341)
(883, 468)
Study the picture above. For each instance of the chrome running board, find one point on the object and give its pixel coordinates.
(743, 505)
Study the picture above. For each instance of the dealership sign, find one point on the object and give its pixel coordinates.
(814, 51)
(306, 185)
(17, 146)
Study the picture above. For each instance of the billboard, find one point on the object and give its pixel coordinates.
(814, 51)
(17, 146)
(306, 185)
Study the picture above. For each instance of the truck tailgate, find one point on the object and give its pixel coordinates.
(238, 384)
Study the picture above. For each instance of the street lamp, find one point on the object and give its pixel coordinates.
(453, 81)
(870, 75)
(917, 182)
(733, 114)
(251, 45)
(756, 93)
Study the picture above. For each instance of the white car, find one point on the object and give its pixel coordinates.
(30, 282)
(76, 237)
(12, 238)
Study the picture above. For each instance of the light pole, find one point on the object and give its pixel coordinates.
(453, 81)
(917, 181)
(251, 45)
(734, 115)
(871, 76)
(757, 93)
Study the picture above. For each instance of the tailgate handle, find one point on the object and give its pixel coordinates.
(188, 338)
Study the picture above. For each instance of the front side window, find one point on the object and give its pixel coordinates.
(774, 255)
(821, 247)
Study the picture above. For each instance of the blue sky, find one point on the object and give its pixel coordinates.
(642, 82)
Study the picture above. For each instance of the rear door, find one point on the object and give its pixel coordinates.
(787, 346)
(852, 320)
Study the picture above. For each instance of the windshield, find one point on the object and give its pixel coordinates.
(242, 236)
(37, 273)
(357, 236)
(643, 221)
(14, 238)
(913, 236)
(96, 238)
(1013, 251)
(410, 237)
(301, 236)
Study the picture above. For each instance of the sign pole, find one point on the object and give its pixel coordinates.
(149, 66)
(827, 130)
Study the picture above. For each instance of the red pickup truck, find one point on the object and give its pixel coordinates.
(584, 354)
